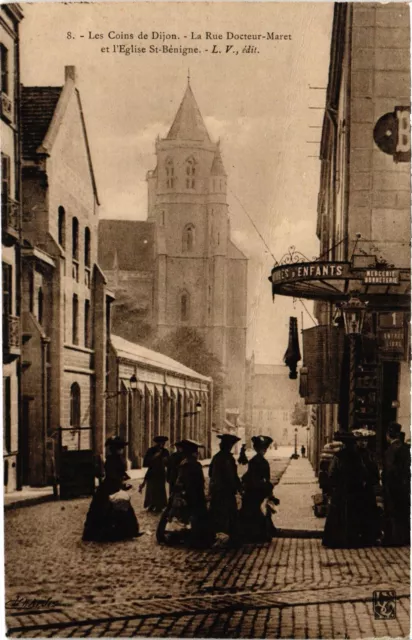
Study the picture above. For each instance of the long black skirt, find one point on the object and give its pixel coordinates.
(106, 523)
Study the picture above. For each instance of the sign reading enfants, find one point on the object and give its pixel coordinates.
(310, 271)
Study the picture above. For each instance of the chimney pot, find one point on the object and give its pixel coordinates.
(70, 73)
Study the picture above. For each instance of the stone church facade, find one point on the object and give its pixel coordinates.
(199, 276)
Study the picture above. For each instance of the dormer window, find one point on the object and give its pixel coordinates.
(190, 173)
(170, 174)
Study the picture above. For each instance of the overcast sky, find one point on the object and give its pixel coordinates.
(257, 104)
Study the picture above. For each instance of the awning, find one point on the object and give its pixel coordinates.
(383, 285)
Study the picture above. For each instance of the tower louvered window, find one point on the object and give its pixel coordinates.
(190, 173)
(170, 174)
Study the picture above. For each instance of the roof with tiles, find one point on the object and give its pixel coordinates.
(188, 123)
(37, 108)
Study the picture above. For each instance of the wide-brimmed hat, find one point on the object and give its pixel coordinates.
(263, 441)
(160, 439)
(362, 433)
(228, 438)
(190, 445)
(116, 442)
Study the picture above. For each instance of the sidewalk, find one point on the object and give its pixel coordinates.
(29, 496)
(295, 515)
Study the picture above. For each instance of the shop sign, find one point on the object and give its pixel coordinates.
(392, 134)
(391, 340)
(311, 271)
(381, 276)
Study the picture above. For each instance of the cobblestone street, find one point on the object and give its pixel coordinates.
(289, 588)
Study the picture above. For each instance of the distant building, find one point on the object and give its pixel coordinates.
(150, 394)
(66, 307)
(10, 17)
(272, 397)
(199, 276)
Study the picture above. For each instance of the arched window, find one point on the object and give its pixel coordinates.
(170, 174)
(190, 173)
(188, 238)
(40, 305)
(62, 227)
(184, 306)
(75, 239)
(75, 405)
(87, 247)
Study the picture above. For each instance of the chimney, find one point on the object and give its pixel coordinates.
(70, 73)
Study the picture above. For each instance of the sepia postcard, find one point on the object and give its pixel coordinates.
(206, 319)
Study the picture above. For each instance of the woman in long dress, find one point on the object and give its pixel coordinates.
(256, 525)
(156, 459)
(349, 523)
(111, 516)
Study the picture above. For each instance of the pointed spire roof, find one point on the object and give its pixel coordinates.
(188, 123)
(217, 165)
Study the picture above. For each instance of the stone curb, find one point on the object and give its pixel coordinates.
(29, 502)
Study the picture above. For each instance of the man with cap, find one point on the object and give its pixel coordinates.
(396, 479)
(254, 526)
(224, 485)
(156, 459)
(173, 466)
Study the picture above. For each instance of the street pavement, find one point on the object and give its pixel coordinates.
(289, 588)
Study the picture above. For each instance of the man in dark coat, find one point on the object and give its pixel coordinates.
(371, 530)
(156, 460)
(173, 466)
(396, 478)
(224, 485)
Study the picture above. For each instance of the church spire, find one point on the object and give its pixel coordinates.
(188, 123)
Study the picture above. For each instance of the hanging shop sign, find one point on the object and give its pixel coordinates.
(392, 134)
(311, 271)
(391, 332)
(380, 276)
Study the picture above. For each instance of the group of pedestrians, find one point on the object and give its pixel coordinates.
(241, 508)
(354, 519)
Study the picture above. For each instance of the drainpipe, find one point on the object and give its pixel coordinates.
(44, 343)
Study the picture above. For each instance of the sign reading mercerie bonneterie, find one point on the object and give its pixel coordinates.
(379, 276)
(310, 271)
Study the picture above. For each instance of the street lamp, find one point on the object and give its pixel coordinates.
(193, 413)
(133, 383)
(353, 312)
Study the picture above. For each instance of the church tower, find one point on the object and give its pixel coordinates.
(196, 262)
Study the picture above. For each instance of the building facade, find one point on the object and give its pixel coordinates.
(199, 276)
(10, 18)
(66, 306)
(150, 394)
(363, 228)
(272, 402)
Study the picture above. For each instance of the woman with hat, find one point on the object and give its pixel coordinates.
(156, 459)
(187, 504)
(224, 485)
(111, 516)
(254, 525)
(350, 484)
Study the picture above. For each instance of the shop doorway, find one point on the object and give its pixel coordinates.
(389, 395)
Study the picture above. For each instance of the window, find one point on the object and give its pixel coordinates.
(190, 173)
(75, 239)
(170, 174)
(75, 320)
(7, 413)
(40, 305)
(184, 307)
(62, 227)
(4, 55)
(188, 237)
(87, 333)
(7, 288)
(5, 180)
(31, 291)
(87, 247)
(75, 405)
